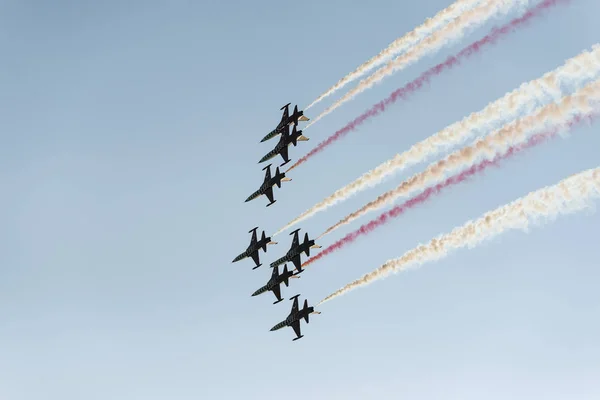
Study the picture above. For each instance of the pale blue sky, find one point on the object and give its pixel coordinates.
(130, 138)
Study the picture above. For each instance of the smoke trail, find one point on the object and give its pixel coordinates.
(570, 195)
(574, 72)
(435, 190)
(509, 135)
(401, 44)
(411, 87)
(455, 30)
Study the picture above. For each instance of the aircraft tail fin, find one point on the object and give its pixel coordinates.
(277, 173)
(306, 309)
(263, 239)
(307, 251)
(286, 277)
(294, 136)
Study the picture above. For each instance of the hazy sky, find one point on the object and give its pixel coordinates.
(130, 139)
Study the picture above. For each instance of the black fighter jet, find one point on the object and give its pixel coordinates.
(254, 247)
(286, 120)
(275, 281)
(284, 142)
(293, 319)
(296, 250)
(267, 186)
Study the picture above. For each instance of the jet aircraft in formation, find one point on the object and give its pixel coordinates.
(276, 280)
(285, 140)
(286, 120)
(254, 247)
(295, 316)
(296, 249)
(267, 186)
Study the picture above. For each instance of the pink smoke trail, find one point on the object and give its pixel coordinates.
(452, 61)
(451, 181)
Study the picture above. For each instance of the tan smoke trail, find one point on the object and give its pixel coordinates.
(570, 195)
(456, 29)
(573, 73)
(401, 44)
(578, 103)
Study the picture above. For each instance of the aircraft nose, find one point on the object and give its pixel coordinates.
(273, 329)
(255, 294)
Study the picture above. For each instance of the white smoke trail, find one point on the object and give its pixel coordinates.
(401, 44)
(573, 73)
(555, 114)
(456, 29)
(570, 195)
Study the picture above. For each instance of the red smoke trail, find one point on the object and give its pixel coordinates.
(452, 61)
(453, 180)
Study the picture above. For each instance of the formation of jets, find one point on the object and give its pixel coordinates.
(294, 254)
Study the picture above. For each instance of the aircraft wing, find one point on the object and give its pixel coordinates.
(267, 175)
(253, 239)
(297, 262)
(296, 327)
(269, 194)
(277, 291)
(284, 153)
(295, 241)
(255, 257)
(285, 115)
(294, 306)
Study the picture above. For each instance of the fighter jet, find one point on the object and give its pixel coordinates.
(276, 279)
(267, 186)
(284, 142)
(296, 250)
(295, 316)
(286, 120)
(254, 247)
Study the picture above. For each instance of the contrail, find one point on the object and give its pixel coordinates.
(570, 195)
(573, 73)
(456, 29)
(401, 44)
(509, 135)
(431, 191)
(450, 62)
